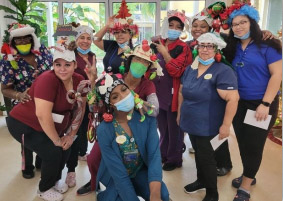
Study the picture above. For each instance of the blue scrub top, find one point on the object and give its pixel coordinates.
(112, 61)
(252, 69)
(202, 111)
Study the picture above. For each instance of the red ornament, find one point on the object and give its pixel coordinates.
(153, 57)
(145, 47)
(145, 42)
(216, 24)
(225, 26)
(107, 117)
(218, 57)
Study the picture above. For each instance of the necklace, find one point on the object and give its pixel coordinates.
(240, 63)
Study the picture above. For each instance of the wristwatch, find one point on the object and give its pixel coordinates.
(266, 104)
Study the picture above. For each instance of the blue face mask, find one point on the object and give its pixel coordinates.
(126, 104)
(173, 34)
(244, 37)
(80, 50)
(206, 62)
(123, 45)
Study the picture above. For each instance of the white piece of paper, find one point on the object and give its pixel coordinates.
(57, 118)
(215, 142)
(251, 120)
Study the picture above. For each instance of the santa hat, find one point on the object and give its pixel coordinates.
(17, 30)
(122, 23)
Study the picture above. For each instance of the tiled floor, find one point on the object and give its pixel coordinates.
(13, 187)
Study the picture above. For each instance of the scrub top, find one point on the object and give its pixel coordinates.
(112, 61)
(202, 111)
(252, 69)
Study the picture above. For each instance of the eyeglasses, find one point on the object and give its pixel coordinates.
(241, 24)
(23, 39)
(208, 47)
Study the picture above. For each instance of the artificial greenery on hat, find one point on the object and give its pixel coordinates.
(24, 12)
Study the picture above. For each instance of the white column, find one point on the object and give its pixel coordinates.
(49, 22)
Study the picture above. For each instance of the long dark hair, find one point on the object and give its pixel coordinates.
(256, 36)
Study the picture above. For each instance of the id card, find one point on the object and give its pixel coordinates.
(131, 155)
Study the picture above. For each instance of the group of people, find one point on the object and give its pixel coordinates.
(201, 87)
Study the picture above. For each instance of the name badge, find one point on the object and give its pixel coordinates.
(57, 118)
(208, 76)
(121, 139)
(131, 156)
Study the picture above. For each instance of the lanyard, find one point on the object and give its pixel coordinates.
(112, 57)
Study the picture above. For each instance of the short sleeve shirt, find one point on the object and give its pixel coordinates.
(50, 88)
(202, 111)
(81, 64)
(145, 88)
(252, 69)
(23, 77)
(112, 61)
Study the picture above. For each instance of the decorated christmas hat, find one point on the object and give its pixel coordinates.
(105, 85)
(211, 15)
(63, 51)
(174, 13)
(122, 23)
(17, 30)
(239, 7)
(145, 52)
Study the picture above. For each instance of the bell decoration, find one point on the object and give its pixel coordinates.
(218, 57)
(122, 68)
(216, 24)
(152, 76)
(195, 53)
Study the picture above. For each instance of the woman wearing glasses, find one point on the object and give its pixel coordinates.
(24, 59)
(208, 99)
(123, 32)
(259, 70)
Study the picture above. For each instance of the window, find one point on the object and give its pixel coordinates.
(51, 17)
(143, 15)
(191, 8)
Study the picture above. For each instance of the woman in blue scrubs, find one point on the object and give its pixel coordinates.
(131, 161)
(259, 70)
(208, 100)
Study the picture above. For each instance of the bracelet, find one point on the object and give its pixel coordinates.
(57, 141)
